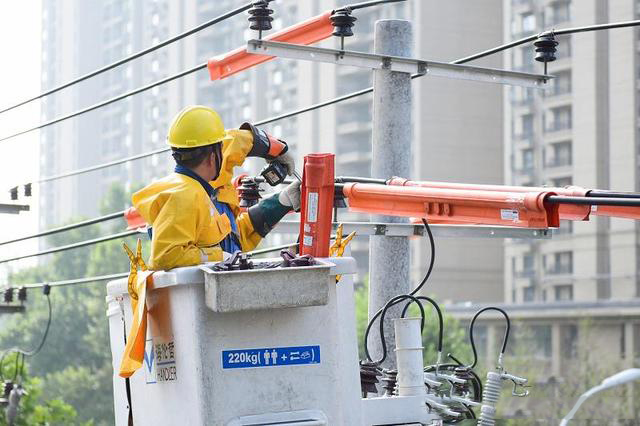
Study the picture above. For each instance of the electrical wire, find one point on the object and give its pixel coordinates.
(32, 352)
(130, 58)
(72, 246)
(505, 338)
(398, 299)
(440, 319)
(365, 4)
(353, 94)
(594, 201)
(531, 38)
(69, 227)
(107, 102)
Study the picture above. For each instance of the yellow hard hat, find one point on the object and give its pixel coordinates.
(196, 126)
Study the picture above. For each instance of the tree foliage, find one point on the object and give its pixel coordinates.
(73, 372)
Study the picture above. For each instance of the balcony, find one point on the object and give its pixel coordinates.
(556, 91)
(560, 161)
(524, 273)
(557, 126)
(522, 102)
(559, 270)
(523, 139)
(523, 171)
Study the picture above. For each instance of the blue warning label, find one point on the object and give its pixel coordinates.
(271, 357)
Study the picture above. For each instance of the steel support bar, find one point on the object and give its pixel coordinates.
(396, 63)
(417, 230)
(11, 309)
(13, 208)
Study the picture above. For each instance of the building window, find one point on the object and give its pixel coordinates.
(560, 85)
(563, 293)
(562, 263)
(561, 182)
(560, 12)
(528, 294)
(527, 159)
(558, 119)
(569, 341)
(560, 155)
(528, 22)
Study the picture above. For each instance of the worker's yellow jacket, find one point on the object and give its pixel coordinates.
(187, 227)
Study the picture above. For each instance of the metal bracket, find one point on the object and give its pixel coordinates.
(13, 208)
(396, 63)
(439, 230)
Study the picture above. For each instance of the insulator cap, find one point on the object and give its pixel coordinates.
(545, 48)
(249, 193)
(8, 295)
(260, 18)
(27, 190)
(342, 22)
(14, 193)
(22, 294)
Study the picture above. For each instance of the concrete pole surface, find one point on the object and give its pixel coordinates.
(389, 256)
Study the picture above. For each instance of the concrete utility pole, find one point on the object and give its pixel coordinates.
(389, 258)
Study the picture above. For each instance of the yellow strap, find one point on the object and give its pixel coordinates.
(137, 289)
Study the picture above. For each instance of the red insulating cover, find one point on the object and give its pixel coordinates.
(316, 204)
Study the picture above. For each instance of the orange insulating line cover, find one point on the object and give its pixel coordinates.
(306, 32)
(133, 218)
(526, 210)
(624, 212)
(318, 186)
(567, 211)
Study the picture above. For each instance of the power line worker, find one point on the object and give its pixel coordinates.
(194, 212)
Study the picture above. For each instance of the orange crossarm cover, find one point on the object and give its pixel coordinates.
(567, 211)
(525, 210)
(624, 212)
(306, 32)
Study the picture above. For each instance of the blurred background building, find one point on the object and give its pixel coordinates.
(583, 130)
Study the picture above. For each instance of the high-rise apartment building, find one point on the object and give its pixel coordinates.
(581, 286)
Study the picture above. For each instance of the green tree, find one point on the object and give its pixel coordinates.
(33, 410)
(75, 362)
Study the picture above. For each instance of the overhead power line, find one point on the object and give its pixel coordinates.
(71, 246)
(69, 227)
(108, 101)
(130, 58)
(534, 37)
(349, 95)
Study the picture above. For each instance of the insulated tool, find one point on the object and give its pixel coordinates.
(275, 173)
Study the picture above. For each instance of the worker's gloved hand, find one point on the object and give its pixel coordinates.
(268, 212)
(290, 196)
(269, 147)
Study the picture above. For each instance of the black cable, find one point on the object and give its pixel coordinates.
(69, 227)
(364, 4)
(103, 165)
(23, 353)
(382, 313)
(72, 246)
(440, 319)
(139, 54)
(531, 38)
(473, 343)
(611, 194)
(108, 101)
(410, 295)
(594, 201)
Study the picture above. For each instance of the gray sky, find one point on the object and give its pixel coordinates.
(20, 29)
